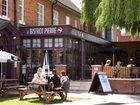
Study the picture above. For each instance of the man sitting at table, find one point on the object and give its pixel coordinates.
(55, 80)
(38, 78)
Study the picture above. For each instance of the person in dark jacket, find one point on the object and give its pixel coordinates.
(55, 80)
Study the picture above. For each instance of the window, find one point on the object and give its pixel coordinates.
(48, 42)
(67, 20)
(27, 43)
(40, 14)
(36, 43)
(70, 43)
(76, 23)
(58, 42)
(123, 32)
(21, 12)
(55, 17)
(4, 10)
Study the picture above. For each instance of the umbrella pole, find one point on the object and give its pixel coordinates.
(1, 72)
(1, 76)
(113, 61)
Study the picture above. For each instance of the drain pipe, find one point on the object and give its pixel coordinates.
(15, 13)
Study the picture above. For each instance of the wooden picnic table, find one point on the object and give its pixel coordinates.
(6, 84)
(40, 91)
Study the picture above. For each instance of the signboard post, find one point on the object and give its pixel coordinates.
(100, 80)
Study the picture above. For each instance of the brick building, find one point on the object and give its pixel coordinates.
(128, 46)
(30, 27)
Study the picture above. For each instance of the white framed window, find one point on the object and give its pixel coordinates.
(76, 23)
(36, 43)
(21, 12)
(48, 42)
(40, 11)
(27, 43)
(4, 10)
(58, 42)
(55, 17)
(67, 20)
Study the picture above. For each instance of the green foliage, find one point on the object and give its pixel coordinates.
(116, 13)
(14, 100)
(88, 10)
(22, 48)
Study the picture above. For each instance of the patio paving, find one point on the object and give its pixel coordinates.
(84, 98)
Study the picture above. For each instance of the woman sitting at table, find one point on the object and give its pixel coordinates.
(38, 78)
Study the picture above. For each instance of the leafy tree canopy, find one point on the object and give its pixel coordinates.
(116, 13)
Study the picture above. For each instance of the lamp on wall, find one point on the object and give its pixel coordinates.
(53, 3)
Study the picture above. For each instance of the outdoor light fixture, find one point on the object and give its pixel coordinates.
(54, 1)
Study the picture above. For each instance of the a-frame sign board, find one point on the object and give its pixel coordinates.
(100, 79)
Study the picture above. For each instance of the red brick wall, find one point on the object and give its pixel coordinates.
(64, 12)
(125, 85)
(124, 38)
(30, 12)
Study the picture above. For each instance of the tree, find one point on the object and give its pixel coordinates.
(116, 13)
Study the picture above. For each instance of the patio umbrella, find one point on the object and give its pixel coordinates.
(112, 51)
(46, 64)
(7, 57)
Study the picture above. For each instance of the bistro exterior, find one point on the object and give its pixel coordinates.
(65, 45)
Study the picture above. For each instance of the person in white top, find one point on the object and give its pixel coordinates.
(65, 83)
(38, 78)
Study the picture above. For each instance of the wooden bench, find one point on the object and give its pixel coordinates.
(7, 85)
(5, 90)
(109, 71)
(48, 96)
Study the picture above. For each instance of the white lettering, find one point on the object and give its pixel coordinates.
(50, 30)
(39, 31)
(36, 31)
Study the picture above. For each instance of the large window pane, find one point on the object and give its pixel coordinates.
(36, 43)
(58, 42)
(40, 14)
(55, 17)
(27, 43)
(5, 8)
(48, 42)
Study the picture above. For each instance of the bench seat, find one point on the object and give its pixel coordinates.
(48, 96)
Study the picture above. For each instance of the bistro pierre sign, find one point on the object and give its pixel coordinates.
(44, 30)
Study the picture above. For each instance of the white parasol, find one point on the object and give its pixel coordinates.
(7, 57)
(46, 65)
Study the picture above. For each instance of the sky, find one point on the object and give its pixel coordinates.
(77, 3)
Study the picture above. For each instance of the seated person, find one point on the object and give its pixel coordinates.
(130, 66)
(55, 80)
(117, 69)
(38, 78)
(65, 83)
(107, 68)
(107, 65)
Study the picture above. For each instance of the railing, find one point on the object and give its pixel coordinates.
(124, 73)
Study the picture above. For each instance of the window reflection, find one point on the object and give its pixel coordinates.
(32, 60)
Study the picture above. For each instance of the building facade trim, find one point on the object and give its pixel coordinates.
(61, 30)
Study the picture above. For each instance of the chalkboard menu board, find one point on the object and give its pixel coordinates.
(100, 80)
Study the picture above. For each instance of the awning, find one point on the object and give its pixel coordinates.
(4, 24)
